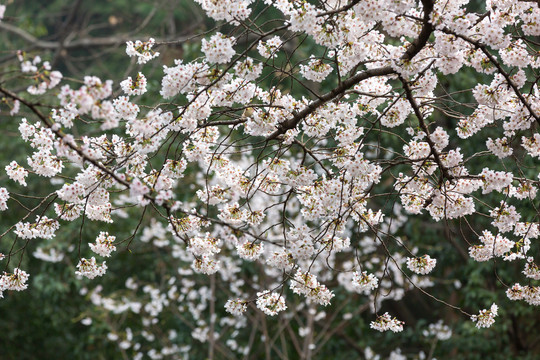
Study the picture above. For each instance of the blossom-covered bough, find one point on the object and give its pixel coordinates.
(281, 191)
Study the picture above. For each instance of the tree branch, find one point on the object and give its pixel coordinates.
(416, 46)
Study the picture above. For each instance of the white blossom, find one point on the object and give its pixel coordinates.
(104, 244)
(90, 269)
(486, 318)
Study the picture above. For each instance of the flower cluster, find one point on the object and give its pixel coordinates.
(530, 294)
(17, 173)
(43, 228)
(219, 49)
(142, 50)
(364, 282)
(236, 307)
(228, 10)
(90, 269)
(316, 70)
(306, 284)
(104, 244)
(206, 245)
(491, 246)
(49, 79)
(4, 197)
(270, 303)
(250, 250)
(269, 48)
(206, 265)
(385, 322)
(421, 265)
(15, 281)
(486, 318)
(134, 87)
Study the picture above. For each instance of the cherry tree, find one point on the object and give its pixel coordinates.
(274, 174)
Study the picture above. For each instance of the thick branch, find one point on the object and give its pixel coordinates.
(341, 9)
(414, 49)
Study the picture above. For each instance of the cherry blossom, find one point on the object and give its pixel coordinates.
(269, 48)
(4, 197)
(270, 303)
(90, 269)
(486, 318)
(14, 281)
(104, 244)
(385, 322)
(289, 159)
(141, 50)
(422, 264)
(219, 49)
